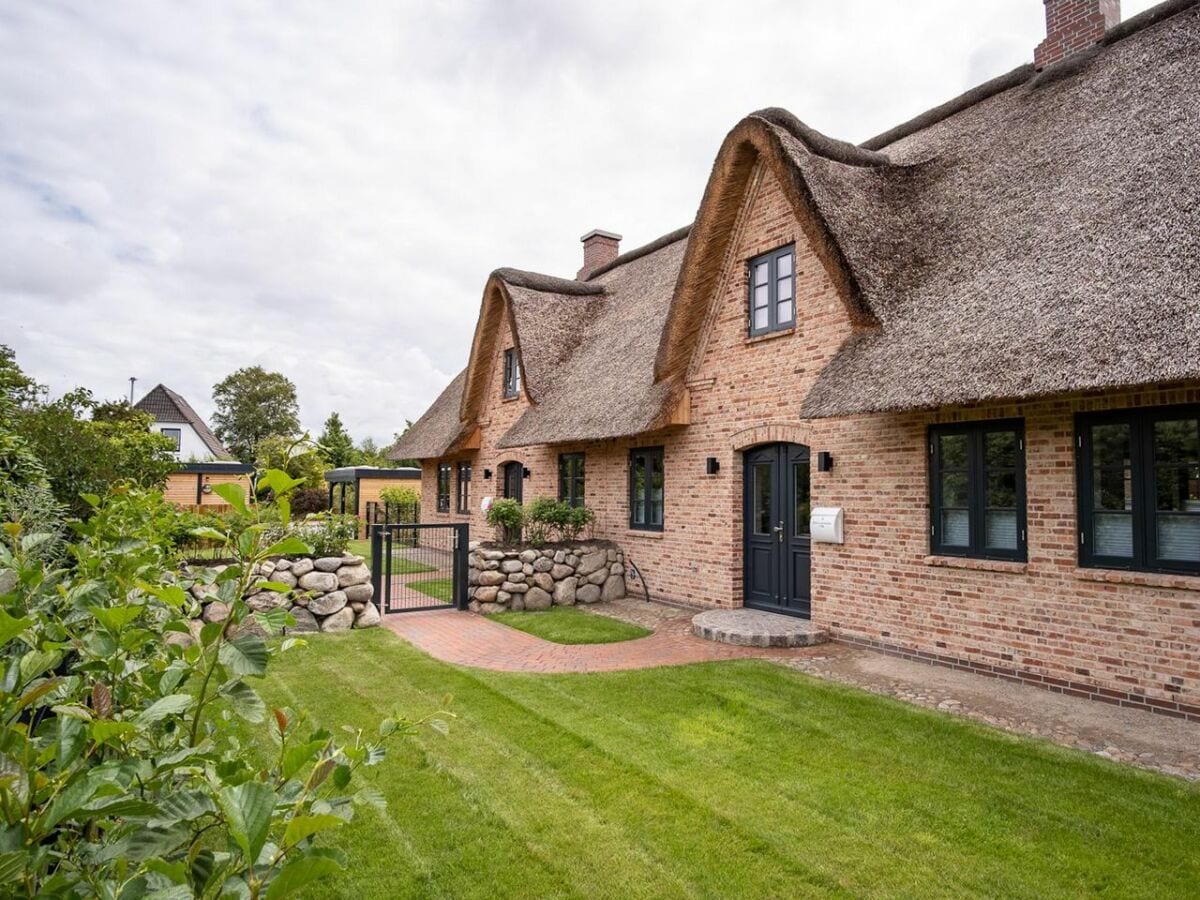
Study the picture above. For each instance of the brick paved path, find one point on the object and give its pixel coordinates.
(470, 640)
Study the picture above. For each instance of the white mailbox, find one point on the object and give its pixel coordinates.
(825, 525)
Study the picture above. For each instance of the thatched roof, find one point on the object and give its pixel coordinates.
(1042, 240)
(436, 432)
(1038, 235)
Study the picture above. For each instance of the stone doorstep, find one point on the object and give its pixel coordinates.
(755, 628)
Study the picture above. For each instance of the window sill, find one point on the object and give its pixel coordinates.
(512, 399)
(1011, 567)
(644, 533)
(1143, 579)
(770, 335)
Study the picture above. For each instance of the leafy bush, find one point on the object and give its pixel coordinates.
(32, 507)
(327, 534)
(579, 520)
(400, 496)
(507, 516)
(547, 519)
(307, 501)
(120, 771)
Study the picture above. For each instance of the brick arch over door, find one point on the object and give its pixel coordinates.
(771, 433)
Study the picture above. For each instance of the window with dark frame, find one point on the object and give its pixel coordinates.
(175, 434)
(977, 490)
(443, 487)
(512, 373)
(1138, 474)
(772, 303)
(464, 487)
(646, 489)
(570, 478)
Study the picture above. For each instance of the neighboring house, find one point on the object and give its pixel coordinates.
(366, 485)
(976, 335)
(204, 461)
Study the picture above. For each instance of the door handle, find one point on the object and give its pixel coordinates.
(778, 529)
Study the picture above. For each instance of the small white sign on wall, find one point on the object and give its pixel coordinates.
(485, 504)
(825, 525)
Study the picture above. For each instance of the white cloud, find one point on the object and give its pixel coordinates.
(323, 188)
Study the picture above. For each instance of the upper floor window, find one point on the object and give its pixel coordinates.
(512, 373)
(646, 489)
(773, 291)
(570, 478)
(1139, 489)
(977, 489)
(175, 434)
(443, 487)
(464, 487)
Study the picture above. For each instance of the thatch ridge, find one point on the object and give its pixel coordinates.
(638, 252)
(820, 144)
(536, 281)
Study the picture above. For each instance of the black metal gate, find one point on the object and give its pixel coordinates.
(419, 566)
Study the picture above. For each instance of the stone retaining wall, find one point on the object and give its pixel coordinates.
(329, 593)
(537, 578)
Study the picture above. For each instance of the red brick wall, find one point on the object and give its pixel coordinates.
(1056, 624)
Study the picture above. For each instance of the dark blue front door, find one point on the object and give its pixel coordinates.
(777, 546)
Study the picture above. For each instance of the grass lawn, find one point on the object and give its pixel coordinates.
(437, 588)
(400, 566)
(570, 625)
(737, 779)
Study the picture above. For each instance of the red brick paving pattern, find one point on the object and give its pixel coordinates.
(467, 639)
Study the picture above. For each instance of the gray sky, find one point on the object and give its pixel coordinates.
(322, 188)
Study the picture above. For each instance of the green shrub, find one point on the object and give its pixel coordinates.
(307, 501)
(508, 517)
(120, 771)
(327, 533)
(400, 496)
(579, 519)
(32, 506)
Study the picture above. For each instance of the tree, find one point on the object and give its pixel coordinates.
(18, 462)
(409, 463)
(335, 443)
(253, 404)
(299, 457)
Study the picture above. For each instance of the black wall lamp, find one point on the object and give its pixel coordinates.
(524, 472)
(824, 461)
(487, 473)
(712, 466)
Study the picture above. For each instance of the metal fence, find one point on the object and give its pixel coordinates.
(416, 566)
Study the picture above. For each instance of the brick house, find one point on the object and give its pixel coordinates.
(976, 335)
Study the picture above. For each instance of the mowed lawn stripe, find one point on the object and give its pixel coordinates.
(732, 777)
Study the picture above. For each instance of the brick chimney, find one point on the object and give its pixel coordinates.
(599, 249)
(1074, 25)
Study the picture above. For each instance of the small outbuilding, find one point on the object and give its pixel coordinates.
(367, 483)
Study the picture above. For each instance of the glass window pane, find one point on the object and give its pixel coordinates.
(639, 489)
(803, 496)
(783, 312)
(1000, 449)
(784, 289)
(1179, 537)
(760, 319)
(762, 498)
(760, 273)
(1110, 444)
(1178, 488)
(956, 528)
(1113, 489)
(760, 297)
(1177, 441)
(953, 451)
(1001, 529)
(784, 265)
(1001, 490)
(1112, 534)
(954, 489)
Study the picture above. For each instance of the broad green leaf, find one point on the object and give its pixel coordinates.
(233, 494)
(341, 777)
(289, 546)
(170, 594)
(301, 827)
(182, 806)
(246, 654)
(370, 796)
(277, 586)
(10, 627)
(12, 866)
(210, 632)
(275, 620)
(147, 843)
(114, 618)
(297, 756)
(37, 662)
(277, 482)
(244, 701)
(300, 873)
(70, 740)
(170, 705)
(248, 808)
(70, 799)
(31, 542)
(208, 533)
(105, 730)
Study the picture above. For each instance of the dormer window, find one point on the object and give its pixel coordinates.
(773, 291)
(512, 373)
